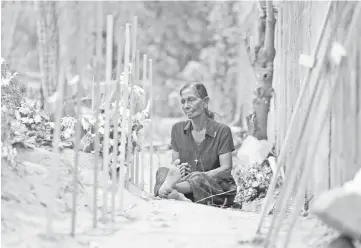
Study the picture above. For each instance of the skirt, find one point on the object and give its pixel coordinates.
(205, 190)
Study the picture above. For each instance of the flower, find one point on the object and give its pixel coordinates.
(24, 110)
(51, 124)
(37, 119)
(67, 133)
(85, 123)
(134, 137)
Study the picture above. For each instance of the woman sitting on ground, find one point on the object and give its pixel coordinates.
(202, 155)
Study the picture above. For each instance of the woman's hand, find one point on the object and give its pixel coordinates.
(185, 169)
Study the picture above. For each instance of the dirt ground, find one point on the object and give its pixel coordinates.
(144, 222)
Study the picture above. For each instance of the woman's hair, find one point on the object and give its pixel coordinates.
(202, 93)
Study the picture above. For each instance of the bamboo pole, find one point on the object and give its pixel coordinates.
(136, 182)
(151, 124)
(136, 152)
(316, 131)
(130, 165)
(125, 103)
(108, 76)
(99, 26)
(275, 225)
(265, 208)
(80, 65)
(358, 117)
(142, 145)
(93, 94)
(290, 174)
(56, 149)
(116, 121)
(353, 106)
(298, 160)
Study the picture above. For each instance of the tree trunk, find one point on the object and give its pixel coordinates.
(48, 41)
(262, 57)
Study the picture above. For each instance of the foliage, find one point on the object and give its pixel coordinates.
(11, 91)
(253, 182)
(88, 126)
(175, 35)
(31, 127)
(224, 54)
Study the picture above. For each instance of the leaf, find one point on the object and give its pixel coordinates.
(17, 115)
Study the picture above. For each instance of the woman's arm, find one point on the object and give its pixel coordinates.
(225, 168)
(175, 155)
(225, 149)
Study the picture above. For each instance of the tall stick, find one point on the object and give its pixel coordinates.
(116, 120)
(99, 11)
(290, 130)
(56, 150)
(108, 76)
(142, 157)
(317, 130)
(80, 65)
(151, 124)
(130, 165)
(285, 194)
(93, 94)
(136, 153)
(134, 38)
(314, 82)
(125, 104)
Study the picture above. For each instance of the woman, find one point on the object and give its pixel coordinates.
(202, 155)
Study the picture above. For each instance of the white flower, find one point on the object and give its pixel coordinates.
(6, 81)
(37, 118)
(25, 120)
(138, 90)
(51, 124)
(255, 184)
(138, 117)
(68, 121)
(101, 120)
(67, 133)
(85, 124)
(24, 111)
(17, 115)
(259, 176)
(134, 136)
(91, 120)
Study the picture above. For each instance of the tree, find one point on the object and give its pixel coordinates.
(48, 42)
(262, 54)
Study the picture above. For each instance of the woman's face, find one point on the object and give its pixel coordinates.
(192, 105)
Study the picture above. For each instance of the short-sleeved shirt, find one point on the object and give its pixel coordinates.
(204, 157)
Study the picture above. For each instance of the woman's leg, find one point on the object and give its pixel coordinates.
(183, 187)
(207, 190)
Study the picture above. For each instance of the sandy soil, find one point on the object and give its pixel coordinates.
(144, 222)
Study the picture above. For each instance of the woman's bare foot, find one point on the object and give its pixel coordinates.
(177, 196)
(174, 175)
(164, 192)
